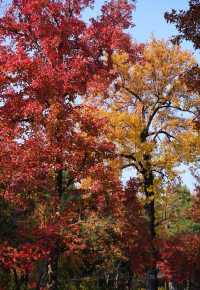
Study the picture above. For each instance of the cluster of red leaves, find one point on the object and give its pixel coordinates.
(135, 238)
(180, 257)
(49, 60)
(23, 258)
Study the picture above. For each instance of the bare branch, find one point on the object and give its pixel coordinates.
(165, 105)
(139, 167)
(129, 165)
(128, 156)
(169, 136)
(182, 110)
(160, 172)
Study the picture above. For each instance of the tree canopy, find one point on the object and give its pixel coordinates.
(79, 103)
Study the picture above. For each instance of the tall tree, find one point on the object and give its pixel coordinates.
(151, 115)
(49, 59)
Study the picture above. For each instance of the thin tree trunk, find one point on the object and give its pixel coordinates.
(148, 183)
(53, 272)
(130, 280)
(152, 280)
(53, 264)
(166, 285)
(17, 281)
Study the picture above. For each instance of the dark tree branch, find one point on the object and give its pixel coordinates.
(160, 172)
(128, 165)
(169, 136)
(182, 110)
(139, 168)
(131, 165)
(154, 114)
(128, 156)
(133, 93)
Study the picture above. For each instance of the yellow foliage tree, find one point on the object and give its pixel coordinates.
(151, 112)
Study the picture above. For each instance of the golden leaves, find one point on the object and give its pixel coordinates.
(120, 62)
(159, 75)
(151, 112)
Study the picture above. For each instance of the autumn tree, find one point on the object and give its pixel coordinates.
(151, 113)
(49, 142)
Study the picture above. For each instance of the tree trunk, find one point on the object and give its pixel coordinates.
(130, 281)
(152, 282)
(152, 279)
(53, 263)
(17, 285)
(166, 285)
(53, 272)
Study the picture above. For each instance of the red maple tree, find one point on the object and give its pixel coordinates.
(50, 58)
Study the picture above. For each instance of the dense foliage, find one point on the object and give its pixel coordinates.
(79, 104)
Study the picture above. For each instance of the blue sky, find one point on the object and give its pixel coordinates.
(149, 18)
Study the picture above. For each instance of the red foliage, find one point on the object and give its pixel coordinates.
(135, 238)
(49, 60)
(180, 257)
